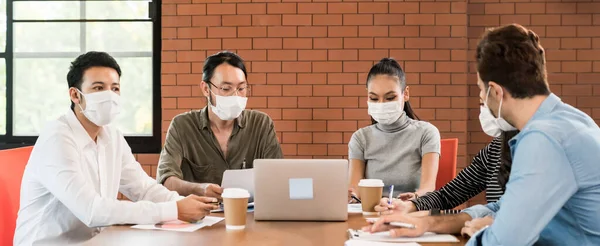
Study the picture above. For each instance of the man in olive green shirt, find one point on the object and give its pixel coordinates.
(202, 144)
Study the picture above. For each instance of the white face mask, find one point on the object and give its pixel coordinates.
(228, 108)
(385, 113)
(101, 108)
(493, 126)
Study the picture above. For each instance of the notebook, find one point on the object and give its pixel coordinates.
(355, 208)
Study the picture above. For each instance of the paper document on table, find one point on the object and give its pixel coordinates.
(355, 208)
(356, 242)
(428, 237)
(179, 225)
(239, 178)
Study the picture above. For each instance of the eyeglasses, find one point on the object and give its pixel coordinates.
(228, 90)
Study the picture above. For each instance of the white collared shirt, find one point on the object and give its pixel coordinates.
(70, 186)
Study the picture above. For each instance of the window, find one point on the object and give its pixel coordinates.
(43, 37)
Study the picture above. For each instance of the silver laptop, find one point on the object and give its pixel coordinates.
(293, 189)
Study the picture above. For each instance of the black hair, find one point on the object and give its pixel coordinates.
(213, 61)
(390, 67)
(85, 61)
(505, 159)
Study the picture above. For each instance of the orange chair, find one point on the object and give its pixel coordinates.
(447, 167)
(13, 163)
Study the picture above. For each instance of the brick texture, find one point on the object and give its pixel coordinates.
(308, 61)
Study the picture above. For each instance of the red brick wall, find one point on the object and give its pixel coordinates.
(308, 60)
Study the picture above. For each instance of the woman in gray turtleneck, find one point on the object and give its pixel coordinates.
(398, 148)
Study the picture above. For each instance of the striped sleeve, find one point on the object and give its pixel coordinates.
(468, 183)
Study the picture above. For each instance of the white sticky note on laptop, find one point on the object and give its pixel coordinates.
(301, 189)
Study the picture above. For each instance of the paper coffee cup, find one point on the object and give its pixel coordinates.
(370, 191)
(235, 203)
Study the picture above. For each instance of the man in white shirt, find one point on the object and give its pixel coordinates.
(80, 163)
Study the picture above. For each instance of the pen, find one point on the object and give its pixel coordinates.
(400, 224)
(355, 198)
(391, 194)
(395, 224)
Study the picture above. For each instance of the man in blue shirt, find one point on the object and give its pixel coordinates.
(553, 193)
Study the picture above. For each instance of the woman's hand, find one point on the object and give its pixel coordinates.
(407, 196)
(397, 206)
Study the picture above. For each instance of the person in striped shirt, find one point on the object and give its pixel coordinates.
(488, 172)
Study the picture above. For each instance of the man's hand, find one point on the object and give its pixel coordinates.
(397, 206)
(473, 226)
(194, 208)
(421, 225)
(211, 190)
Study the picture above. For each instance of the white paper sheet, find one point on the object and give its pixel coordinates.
(372, 220)
(428, 237)
(181, 226)
(355, 208)
(239, 178)
(356, 242)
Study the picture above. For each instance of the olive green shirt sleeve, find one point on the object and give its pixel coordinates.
(272, 148)
(171, 156)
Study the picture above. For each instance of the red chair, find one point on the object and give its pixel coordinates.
(447, 167)
(13, 163)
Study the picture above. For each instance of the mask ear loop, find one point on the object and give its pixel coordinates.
(209, 92)
(80, 97)
(209, 98)
(500, 106)
(487, 96)
(486, 100)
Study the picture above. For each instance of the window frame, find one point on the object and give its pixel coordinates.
(138, 144)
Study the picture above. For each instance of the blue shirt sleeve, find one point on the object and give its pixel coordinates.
(541, 181)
